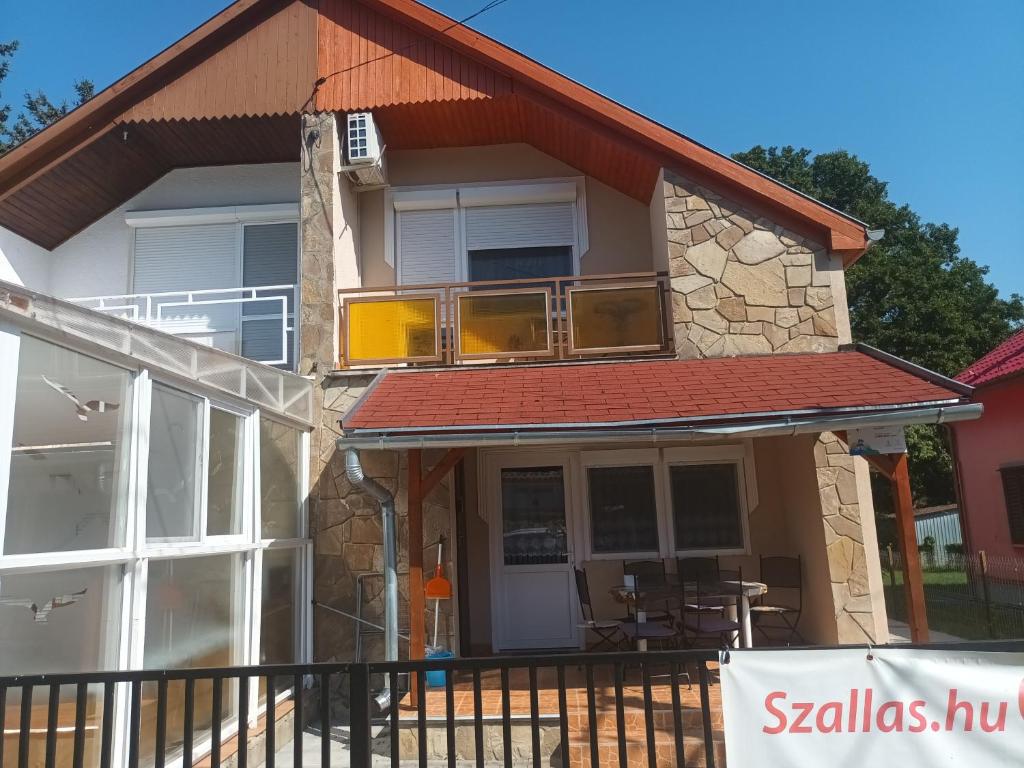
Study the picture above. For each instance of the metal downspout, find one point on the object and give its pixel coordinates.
(354, 470)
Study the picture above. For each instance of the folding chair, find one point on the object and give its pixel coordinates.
(607, 630)
(781, 575)
(700, 622)
(706, 570)
(648, 573)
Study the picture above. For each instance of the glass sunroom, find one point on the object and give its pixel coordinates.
(148, 519)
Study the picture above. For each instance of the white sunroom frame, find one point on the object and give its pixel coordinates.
(135, 554)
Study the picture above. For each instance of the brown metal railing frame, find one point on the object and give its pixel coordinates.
(446, 329)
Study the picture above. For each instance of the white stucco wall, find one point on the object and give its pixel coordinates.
(96, 261)
(23, 262)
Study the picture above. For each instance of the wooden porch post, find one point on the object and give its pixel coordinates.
(417, 620)
(419, 487)
(913, 580)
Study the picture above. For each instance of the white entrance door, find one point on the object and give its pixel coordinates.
(534, 594)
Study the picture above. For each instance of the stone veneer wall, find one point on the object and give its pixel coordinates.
(742, 284)
(844, 538)
(344, 522)
(347, 534)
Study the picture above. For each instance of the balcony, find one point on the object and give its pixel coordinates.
(256, 322)
(563, 318)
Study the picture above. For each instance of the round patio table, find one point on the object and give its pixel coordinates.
(741, 592)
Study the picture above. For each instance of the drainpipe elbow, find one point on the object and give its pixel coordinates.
(356, 476)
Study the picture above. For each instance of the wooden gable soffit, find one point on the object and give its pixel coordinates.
(260, 59)
(87, 123)
(845, 235)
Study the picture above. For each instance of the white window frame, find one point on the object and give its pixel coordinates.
(624, 458)
(459, 197)
(128, 597)
(736, 455)
(661, 460)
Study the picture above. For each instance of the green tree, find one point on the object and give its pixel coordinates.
(37, 110)
(912, 294)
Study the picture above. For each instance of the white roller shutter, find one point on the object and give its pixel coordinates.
(520, 226)
(270, 255)
(426, 246)
(189, 258)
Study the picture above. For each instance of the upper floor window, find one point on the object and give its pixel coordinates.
(488, 232)
(223, 277)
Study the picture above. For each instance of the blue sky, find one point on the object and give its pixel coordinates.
(929, 92)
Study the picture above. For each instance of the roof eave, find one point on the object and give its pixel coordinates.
(778, 425)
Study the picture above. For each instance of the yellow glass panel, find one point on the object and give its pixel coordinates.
(392, 329)
(610, 318)
(503, 324)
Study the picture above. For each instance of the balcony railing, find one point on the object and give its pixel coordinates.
(561, 318)
(257, 322)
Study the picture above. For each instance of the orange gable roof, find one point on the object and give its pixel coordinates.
(413, 67)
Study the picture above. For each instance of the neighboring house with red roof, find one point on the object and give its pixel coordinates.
(989, 453)
(316, 242)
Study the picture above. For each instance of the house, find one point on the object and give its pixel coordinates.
(989, 454)
(314, 244)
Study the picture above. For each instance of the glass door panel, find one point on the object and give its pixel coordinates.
(533, 514)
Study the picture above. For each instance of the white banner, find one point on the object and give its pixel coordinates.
(905, 707)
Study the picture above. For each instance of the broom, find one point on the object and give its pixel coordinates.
(438, 588)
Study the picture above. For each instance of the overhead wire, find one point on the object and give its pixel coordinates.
(459, 23)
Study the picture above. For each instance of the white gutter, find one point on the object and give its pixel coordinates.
(473, 437)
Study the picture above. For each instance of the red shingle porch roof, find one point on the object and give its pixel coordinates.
(644, 392)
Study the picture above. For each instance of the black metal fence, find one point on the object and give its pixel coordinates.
(972, 596)
(587, 709)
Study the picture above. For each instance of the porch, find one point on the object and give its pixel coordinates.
(568, 468)
(602, 713)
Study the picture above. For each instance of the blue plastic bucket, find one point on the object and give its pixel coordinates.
(436, 677)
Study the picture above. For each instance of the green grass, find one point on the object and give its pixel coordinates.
(935, 578)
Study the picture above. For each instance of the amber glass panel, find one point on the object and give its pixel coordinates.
(392, 329)
(607, 318)
(503, 324)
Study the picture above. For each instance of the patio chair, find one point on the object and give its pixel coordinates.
(648, 573)
(607, 630)
(783, 577)
(700, 622)
(706, 570)
(665, 635)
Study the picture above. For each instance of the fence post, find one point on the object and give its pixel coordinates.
(983, 559)
(359, 704)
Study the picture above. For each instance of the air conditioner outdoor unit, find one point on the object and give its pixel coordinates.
(364, 150)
